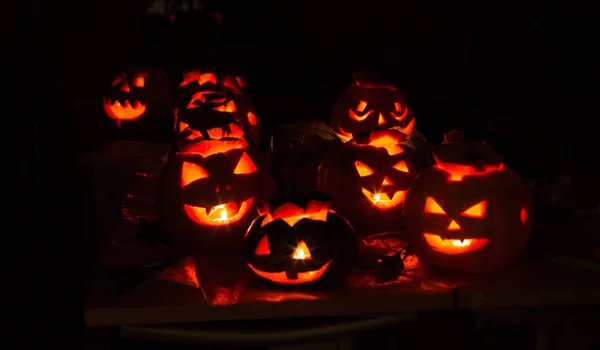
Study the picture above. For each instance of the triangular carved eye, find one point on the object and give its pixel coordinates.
(191, 172)
(245, 165)
(363, 169)
(401, 166)
(476, 211)
(263, 246)
(432, 207)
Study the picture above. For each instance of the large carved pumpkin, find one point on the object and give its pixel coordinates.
(298, 239)
(469, 212)
(370, 105)
(369, 181)
(206, 90)
(139, 101)
(209, 191)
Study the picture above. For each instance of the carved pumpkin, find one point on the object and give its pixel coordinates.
(139, 101)
(469, 212)
(369, 181)
(371, 105)
(298, 239)
(201, 91)
(211, 186)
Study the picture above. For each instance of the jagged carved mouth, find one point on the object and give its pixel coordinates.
(382, 200)
(218, 215)
(120, 109)
(452, 246)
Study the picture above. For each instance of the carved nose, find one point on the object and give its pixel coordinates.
(125, 87)
(386, 182)
(453, 226)
(381, 120)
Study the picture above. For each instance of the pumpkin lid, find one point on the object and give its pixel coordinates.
(371, 80)
(456, 150)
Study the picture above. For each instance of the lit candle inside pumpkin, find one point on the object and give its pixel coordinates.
(301, 252)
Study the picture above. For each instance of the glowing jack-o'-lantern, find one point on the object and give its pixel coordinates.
(369, 181)
(207, 91)
(211, 184)
(370, 105)
(298, 239)
(469, 212)
(140, 99)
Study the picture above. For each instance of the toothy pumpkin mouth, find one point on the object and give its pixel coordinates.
(452, 246)
(383, 200)
(219, 215)
(302, 277)
(123, 109)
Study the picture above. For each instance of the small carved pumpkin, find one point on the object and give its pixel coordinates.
(369, 181)
(202, 91)
(298, 239)
(211, 185)
(469, 212)
(139, 100)
(371, 105)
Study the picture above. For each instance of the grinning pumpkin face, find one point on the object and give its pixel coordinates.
(368, 106)
(299, 240)
(368, 182)
(211, 184)
(201, 92)
(469, 212)
(138, 94)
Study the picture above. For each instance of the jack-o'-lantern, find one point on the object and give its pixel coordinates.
(298, 239)
(469, 212)
(210, 188)
(369, 181)
(139, 100)
(370, 105)
(205, 91)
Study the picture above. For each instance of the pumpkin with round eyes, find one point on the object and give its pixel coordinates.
(211, 186)
(298, 239)
(469, 212)
(139, 100)
(202, 91)
(369, 181)
(371, 105)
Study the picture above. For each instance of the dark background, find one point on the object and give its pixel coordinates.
(521, 72)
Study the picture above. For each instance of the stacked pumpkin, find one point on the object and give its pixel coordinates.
(467, 211)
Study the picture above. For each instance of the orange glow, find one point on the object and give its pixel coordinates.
(291, 213)
(281, 277)
(195, 75)
(382, 200)
(363, 169)
(241, 82)
(229, 107)
(219, 215)
(125, 87)
(345, 133)
(361, 106)
(127, 111)
(183, 126)
(523, 216)
(454, 246)
(432, 207)
(476, 211)
(387, 142)
(381, 121)
(252, 119)
(409, 128)
(453, 226)
(263, 246)
(301, 252)
(401, 166)
(245, 165)
(231, 83)
(117, 80)
(397, 106)
(219, 133)
(401, 116)
(207, 148)
(386, 182)
(457, 171)
(139, 82)
(191, 172)
(358, 117)
(199, 96)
